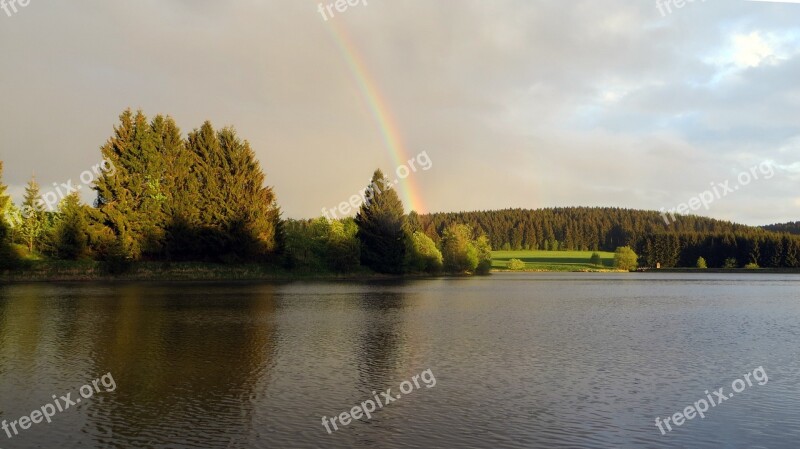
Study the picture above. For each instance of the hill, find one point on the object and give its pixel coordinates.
(676, 243)
(791, 227)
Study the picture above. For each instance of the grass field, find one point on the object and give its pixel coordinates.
(553, 260)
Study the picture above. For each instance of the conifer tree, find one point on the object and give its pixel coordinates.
(33, 216)
(71, 233)
(380, 227)
(119, 193)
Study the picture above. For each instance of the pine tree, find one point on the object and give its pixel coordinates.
(380, 227)
(33, 216)
(71, 234)
(120, 193)
(247, 211)
(180, 209)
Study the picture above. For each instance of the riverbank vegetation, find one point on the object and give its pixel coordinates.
(203, 198)
(678, 244)
(168, 199)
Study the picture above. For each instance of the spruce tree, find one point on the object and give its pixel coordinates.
(33, 216)
(179, 210)
(380, 227)
(119, 192)
(248, 206)
(71, 234)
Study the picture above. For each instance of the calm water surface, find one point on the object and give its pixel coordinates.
(520, 360)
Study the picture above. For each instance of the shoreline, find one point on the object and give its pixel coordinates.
(85, 272)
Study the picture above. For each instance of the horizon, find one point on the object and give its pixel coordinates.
(546, 106)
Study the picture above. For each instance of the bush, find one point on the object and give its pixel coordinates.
(515, 264)
(484, 255)
(458, 250)
(422, 255)
(701, 263)
(596, 259)
(118, 260)
(752, 266)
(730, 263)
(625, 259)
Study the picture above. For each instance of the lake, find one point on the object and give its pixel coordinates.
(583, 360)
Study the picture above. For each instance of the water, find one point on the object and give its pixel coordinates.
(519, 360)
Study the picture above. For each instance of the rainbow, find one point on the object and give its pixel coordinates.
(409, 190)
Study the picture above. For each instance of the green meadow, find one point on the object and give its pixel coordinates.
(553, 260)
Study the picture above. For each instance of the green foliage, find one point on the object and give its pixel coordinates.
(422, 255)
(320, 245)
(701, 263)
(515, 264)
(605, 229)
(34, 218)
(72, 230)
(198, 199)
(730, 263)
(119, 260)
(343, 246)
(5, 200)
(8, 258)
(752, 266)
(596, 259)
(484, 255)
(380, 227)
(458, 250)
(625, 259)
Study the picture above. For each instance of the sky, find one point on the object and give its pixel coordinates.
(517, 104)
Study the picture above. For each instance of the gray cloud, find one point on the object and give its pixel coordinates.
(519, 103)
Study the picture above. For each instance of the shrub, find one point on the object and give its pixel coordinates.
(458, 250)
(752, 266)
(730, 263)
(701, 263)
(596, 259)
(484, 255)
(625, 259)
(118, 260)
(422, 255)
(515, 264)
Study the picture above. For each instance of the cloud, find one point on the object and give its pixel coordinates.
(520, 103)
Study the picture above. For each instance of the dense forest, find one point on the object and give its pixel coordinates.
(163, 197)
(791, 228)
(678, 244)
(203, 197)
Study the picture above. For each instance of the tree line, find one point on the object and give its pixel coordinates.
(679, 244)
(203, 198)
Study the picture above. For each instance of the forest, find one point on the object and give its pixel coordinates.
(204, 198)
(679, 244)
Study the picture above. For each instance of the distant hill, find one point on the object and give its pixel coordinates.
(791, 227)
(655, 237)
